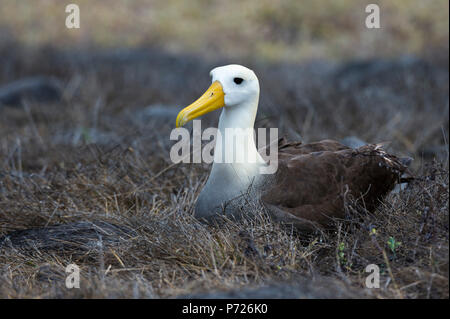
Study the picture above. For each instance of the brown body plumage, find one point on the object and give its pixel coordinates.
(314, 180)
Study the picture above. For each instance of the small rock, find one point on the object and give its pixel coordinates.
(157, 112)
(438, 152)
(36, 89)
(77, 236)
(353, 142)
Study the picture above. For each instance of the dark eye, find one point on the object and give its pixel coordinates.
(238, 80)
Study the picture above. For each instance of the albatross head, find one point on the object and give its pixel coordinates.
(233, 87)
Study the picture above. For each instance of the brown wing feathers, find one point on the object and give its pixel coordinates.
(312, 179)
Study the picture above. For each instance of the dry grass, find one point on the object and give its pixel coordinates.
(96, 156)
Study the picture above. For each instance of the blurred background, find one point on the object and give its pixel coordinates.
(261, 30)
(323, 73)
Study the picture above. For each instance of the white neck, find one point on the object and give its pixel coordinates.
(240, 155)
(230, 179)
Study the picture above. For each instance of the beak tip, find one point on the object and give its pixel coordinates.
(179, 120)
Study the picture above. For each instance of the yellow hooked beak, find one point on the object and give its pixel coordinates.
(211, 100)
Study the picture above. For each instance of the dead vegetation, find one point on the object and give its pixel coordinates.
(95, 158)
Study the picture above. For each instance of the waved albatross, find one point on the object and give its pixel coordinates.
(312, 181)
